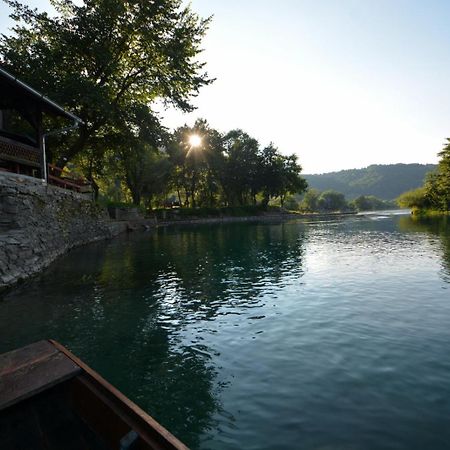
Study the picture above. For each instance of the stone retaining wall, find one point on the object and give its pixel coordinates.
(39, 222)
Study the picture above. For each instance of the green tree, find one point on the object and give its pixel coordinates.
(332, 201)
(437, 184)
(157, 179)
(145, 171)
(370, 203)
(107, 61)
(435, 193)
(293, 183)
(196, 169)
(416, 198)
(241, 178)
(279, 175)
(310, 201)
(432, 191)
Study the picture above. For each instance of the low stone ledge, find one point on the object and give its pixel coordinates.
(39, 223)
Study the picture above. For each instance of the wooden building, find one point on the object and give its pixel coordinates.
(22, 135)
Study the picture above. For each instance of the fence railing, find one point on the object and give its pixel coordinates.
(24, 159)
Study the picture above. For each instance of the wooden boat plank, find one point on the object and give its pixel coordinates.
(21, 379)
(24, 356)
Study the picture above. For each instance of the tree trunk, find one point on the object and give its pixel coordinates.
(95, 187)
(148, 202)
(136, 195)
(193, 189)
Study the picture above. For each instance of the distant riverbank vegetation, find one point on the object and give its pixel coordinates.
(333, 201)
(434, 196)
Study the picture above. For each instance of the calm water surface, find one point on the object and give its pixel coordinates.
(325, 335)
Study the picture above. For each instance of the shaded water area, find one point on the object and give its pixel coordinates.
(320, 335)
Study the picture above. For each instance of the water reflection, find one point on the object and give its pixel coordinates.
(137, 309)
(334, 335)
(437, 228)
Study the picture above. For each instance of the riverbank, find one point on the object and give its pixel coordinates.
(429, 213)
(39, 223)
(145, 224)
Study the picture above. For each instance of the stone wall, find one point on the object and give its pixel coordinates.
(38, 223)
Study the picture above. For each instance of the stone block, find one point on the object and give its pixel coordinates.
(39, 222)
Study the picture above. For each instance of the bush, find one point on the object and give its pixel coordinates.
(291, 203)
(415, 198)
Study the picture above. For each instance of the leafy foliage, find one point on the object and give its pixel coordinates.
(330, 200)
(108, 61)
(229, 169)
(416, 198)
(310, 202)
(324, 202)
(195, 169)
(435, 193)
(371, 203)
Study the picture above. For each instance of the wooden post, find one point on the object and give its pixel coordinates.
(41, 142)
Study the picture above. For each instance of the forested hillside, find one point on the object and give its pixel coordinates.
(384, 181)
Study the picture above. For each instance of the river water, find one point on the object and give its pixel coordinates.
(299, 335)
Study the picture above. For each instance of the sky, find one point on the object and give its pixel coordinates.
(341, 83)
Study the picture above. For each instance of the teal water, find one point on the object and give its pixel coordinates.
(321, 335)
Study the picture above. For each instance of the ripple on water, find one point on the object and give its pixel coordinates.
(272, 336)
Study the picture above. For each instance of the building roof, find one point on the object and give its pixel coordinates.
(14, 91)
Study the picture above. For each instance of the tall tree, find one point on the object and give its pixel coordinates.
(436, 190)
(279, 175)
(104, 59)
(443, 175)
(240, 179)
(196, 168)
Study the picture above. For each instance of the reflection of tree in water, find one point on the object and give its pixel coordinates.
(122, 336)
(184, 277)
(436, 226)
(123, 307)
(223, 266)
(173, 383)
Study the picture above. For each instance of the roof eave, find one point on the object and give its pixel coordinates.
(40, 97)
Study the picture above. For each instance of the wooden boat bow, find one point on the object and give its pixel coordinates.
(47, 368)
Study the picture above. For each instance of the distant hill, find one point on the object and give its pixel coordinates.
(384, 181)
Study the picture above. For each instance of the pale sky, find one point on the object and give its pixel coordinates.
(341, 83)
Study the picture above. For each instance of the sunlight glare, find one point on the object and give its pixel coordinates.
(195, 140)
